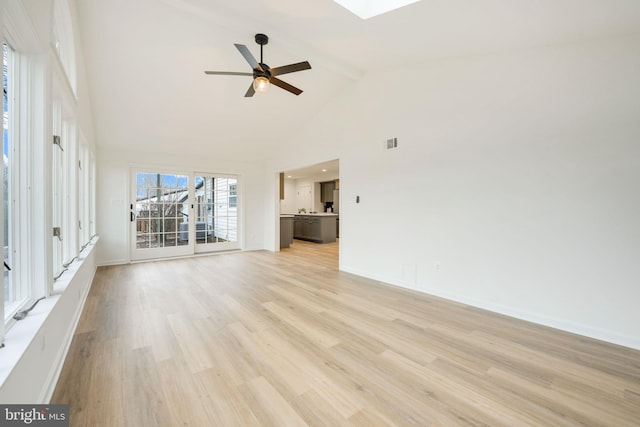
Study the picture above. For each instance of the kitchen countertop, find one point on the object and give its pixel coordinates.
(317, 214)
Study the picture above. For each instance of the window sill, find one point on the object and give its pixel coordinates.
(28, 335)
(24, 334)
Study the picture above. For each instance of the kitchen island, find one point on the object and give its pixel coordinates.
(315, 227)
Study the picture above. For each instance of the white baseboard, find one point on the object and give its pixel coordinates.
(113, 262)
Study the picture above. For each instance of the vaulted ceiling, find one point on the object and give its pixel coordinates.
(145, 59)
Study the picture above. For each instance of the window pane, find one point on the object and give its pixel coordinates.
(216, 209)
(161, 209)
(9, 294)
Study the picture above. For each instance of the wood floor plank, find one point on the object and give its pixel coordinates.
(571, 405)
(302, 325)
(317, 411)
(274, 339)
(104, 394)
(223, 401)
(370, 417)
(183, 401)
(610, 384)
(278, 369)
(385, 391)
(143, 405)
(272, 407)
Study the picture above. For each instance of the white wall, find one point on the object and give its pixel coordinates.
(113, 188)
(515, 187)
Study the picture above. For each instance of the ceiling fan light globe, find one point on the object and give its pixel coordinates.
(260, 84)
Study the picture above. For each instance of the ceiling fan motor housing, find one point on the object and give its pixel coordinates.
(264, 73)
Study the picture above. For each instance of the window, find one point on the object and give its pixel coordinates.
(63, 41)
(225, 212)
(16, 288)
(70, 172)
(366, 9)
(92, 196)
(10, 296)
(38, 177)
(57, 199)
(21, 109)
(69, 191)
(84, 196)
(66, 185)
(162, 212)
(22, 166)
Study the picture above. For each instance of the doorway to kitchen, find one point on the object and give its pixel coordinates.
(309, 206)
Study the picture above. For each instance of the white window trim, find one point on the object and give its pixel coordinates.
(30, 184)
(17, 164)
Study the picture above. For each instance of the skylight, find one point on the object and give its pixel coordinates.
(366, 9)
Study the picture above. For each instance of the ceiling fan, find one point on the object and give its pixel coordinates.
(262, 73)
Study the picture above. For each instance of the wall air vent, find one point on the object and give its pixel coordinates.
(391, 144)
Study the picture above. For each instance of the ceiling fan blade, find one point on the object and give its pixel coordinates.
(286, 86)
(250, 91)
(291, 68)
(228, 73)
(244, 51)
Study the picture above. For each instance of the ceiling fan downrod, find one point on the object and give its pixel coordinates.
(261, 39)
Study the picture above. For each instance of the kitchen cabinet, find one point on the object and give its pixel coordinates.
(326, 191)
(281, 186)
(286, 231)
(301, 228)
(315, 228)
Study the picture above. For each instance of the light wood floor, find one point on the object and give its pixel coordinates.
(284, 339)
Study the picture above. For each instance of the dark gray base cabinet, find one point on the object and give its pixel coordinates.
(286, 231)
(319, 229)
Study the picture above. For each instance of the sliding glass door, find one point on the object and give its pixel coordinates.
(160, 215)
(179, 214)
(216, 216)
